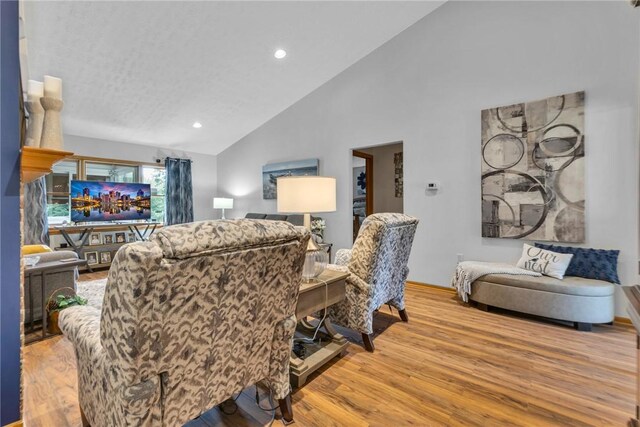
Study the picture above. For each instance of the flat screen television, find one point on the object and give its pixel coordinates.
(109, 201)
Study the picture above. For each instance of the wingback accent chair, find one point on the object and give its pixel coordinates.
(378, 267)
(189, 318)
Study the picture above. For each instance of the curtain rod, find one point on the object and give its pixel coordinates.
(162, 159)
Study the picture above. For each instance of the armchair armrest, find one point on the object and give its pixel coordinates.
(359, 283)
(98, 382)
(343, 256)
(54, 256)
(81, 325)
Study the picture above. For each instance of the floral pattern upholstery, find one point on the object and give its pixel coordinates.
(378, 267)
(189, 319)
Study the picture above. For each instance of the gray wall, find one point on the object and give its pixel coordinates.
(384, 185)
(427, 86)
(203, 168)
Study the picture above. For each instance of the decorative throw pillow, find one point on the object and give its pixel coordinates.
(599, 264)
(549, 263)
(35, 249)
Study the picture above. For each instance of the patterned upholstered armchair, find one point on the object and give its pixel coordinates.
(378, 266)
(189, 318)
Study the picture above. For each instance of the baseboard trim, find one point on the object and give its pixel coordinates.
(622, 320)
(429, 285)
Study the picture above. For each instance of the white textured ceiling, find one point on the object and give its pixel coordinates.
(143, 72)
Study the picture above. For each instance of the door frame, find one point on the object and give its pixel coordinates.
(368, 158)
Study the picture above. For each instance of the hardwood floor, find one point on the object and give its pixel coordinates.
(450, 365)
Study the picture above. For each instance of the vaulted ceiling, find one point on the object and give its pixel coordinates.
(144, 72)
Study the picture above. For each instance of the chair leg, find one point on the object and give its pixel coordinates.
(368, 342)
(83, 417)
(403, 315)
(285, 408)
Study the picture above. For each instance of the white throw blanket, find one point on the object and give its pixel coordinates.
(468, 272)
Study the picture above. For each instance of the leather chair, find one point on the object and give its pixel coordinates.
(190, 318)
(378, 266)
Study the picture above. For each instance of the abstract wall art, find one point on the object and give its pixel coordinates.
(533, 170)
(398, 166)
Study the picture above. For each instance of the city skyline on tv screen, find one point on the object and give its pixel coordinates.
(109, 201)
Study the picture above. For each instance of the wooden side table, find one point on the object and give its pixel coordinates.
(327, 289)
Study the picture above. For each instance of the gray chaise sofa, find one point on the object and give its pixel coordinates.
(573, 299)
(295, 219)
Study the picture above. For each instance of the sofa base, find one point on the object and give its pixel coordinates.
(584, 327)
(570, 308)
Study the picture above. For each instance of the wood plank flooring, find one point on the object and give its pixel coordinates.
(451, 365)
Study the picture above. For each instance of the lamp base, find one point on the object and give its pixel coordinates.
(315, 262)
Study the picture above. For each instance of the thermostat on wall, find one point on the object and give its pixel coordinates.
(433, 186)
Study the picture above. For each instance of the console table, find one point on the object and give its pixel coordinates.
(85, 231)
(327, 289)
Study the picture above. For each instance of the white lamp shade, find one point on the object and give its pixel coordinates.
(306, 194)
(222, 203)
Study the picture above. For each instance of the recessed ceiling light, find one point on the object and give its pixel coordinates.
(280, 53)
(197, 125)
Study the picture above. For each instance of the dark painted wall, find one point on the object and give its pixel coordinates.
(9, 214)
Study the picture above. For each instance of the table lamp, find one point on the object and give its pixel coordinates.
(306, 195)
(222, 203)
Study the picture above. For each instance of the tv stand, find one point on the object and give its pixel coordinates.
(86, 229)
(134, 228)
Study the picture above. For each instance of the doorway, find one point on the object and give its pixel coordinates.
(377, 181)
(362, 177)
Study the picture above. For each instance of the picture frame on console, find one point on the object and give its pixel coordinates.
(105, 257)
(95, 239)
(91, 257)
(121, 237)
(108, 239)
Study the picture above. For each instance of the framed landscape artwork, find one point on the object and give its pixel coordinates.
(271, 172)
(533, 170)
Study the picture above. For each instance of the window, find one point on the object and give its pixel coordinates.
(157, 177)
(110, 172)
(58, 190)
